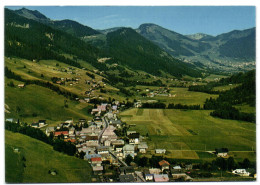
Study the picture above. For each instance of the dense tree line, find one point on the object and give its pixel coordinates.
(90, 75)
(180, 106)
(157, 105)
(67, 94)
(58, 144)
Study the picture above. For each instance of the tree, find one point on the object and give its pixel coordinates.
(246, 163)
(231, 163)
(11, 84)
(128, 159)
(143, 161)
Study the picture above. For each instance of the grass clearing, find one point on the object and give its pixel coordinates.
(40, 158)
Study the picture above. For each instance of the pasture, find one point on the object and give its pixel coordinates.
(40, 158)
(35, 102)
(180, 95)
(187, 133)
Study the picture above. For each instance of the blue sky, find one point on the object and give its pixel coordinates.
(211, 20)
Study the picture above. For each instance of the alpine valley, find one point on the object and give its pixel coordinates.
(118, 105)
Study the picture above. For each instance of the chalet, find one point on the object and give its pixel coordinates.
(70, 140)
(129, 150)
(134, 138)
(49, 130)
(176, 169)
(66, 124)
(107, 143)
(130, 132)
(160, 151)
(98, 170)
(12, 120)
(241, 172)
(164, 165)
(82, 121)
(221, 152)
(126, 170)
(59, 133)
(109, 134)
(72, 131)
(155, 170)
(92, 137)
(92, 143)
(89, 156)
(161, 178)
(94, 111)
(42, 123)
(188, 167)
(126, 178)
(103, 149)
(184, 176)
(35, 125)
(96, 161)
(147, 175)
(87, 150)
(114, 107)
(142, 147)
(21, 85)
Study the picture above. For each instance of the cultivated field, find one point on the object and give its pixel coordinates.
(40, 158)
(189, 133)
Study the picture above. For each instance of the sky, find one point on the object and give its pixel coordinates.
(211, 20)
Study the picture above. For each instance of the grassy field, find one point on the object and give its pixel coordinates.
(43, 103)
(189, 134)
(181, 95)
(40, 158)
(225, 87)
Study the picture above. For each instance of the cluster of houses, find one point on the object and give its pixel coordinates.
(162, 174)
(162, 91)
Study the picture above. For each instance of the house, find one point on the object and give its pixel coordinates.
(102, 149)
(160, 151)
(161, 178)
(241, 172)
(188, 167)
(89, 156)
(129, 150)
(164, 165)
(130, 132)
(126, 170)
(59, 133)
(96, 160)
(134, 138)
(221, 152)
(21, 85)
(176, 169)
(181, 175)
(42, 123)
(107, 143)
(147, 175)
(155, 170)
(72, 131)
(49, 130)
(82, 121)
(142, 147)
(12, 120)
(66, 124)
(126, 178)
(35, 125)
(97, 170)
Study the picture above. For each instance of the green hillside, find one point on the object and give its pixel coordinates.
(39, 158)
(135, 51)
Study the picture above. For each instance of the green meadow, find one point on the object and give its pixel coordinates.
(39, 159)
(35, 102)
(190, 133)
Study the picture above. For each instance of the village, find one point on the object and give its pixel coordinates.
(110, 148)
